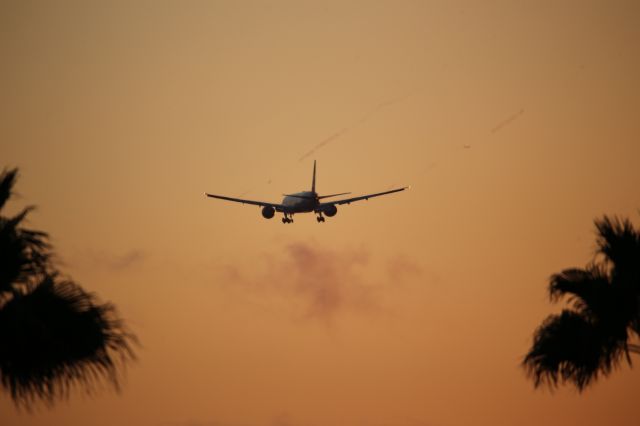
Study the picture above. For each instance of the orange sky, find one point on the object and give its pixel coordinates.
(413, 309)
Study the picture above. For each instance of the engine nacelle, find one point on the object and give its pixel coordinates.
(330, 210)
(268, 212)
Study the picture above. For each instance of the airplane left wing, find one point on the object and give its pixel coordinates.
(362, 197)
(278, 207)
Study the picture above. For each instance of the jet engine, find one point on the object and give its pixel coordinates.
(330, 210)
(268, 212)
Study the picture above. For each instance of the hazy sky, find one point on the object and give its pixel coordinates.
(516, 123)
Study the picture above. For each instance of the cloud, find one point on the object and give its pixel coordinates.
(126, 260)
(110, 261)
(401, 268)
(329, 281)
(323, 282)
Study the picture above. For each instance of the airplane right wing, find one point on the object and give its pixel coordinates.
(277, 207)
(362, 197)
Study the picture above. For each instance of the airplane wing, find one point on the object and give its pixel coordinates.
(362, 197)
(278, 207)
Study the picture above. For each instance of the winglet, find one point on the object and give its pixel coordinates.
(313, 182)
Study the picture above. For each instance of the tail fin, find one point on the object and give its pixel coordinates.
(313, 182)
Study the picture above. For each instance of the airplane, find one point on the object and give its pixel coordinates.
(304, 202)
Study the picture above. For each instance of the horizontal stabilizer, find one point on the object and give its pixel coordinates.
(304, 197)
(332, 195)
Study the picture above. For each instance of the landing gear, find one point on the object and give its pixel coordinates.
(287, 219)
(320, 218)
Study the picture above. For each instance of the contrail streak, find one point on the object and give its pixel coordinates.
(324, 142)
(365, 117)
(507, 121)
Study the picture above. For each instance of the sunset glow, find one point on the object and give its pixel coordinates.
(515, 124)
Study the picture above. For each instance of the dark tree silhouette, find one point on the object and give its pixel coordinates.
(595, 334)
(53, 334)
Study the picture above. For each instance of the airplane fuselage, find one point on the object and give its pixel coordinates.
(300, 202)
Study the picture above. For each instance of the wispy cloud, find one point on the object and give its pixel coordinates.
(126, 260)
(328, 280)
(325, 282)
(401, 267)
(115, 262)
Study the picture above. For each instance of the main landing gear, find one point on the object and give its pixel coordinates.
(288, 218)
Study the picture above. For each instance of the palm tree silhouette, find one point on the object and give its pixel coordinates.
(594, 335)
(53, 334)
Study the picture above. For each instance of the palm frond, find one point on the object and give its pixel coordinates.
(588, 290)
(7, 181)
(619, 243)
(570, 348)
(54, 335)
(24, 253)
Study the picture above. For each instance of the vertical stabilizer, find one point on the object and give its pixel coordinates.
(313, 182)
